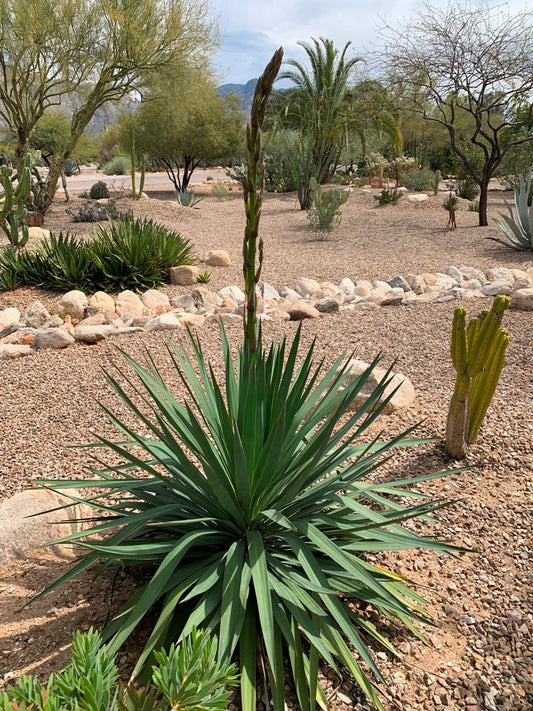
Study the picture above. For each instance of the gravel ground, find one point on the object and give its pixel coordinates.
(479, 655)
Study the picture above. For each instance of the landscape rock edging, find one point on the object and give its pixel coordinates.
(79, 319)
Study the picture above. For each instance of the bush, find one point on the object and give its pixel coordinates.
(282, 163)
(518, 228)
(419, 179)
(467, 188)
(388, 197)
(324, 212)
(137, 254)
(188, 677)
(93, 212)
(219, 190)
(455, 204)
(117, 166)
(130, 254)
(99, 191)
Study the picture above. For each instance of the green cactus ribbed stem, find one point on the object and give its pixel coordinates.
(13, 209)
(484, 386)
(478, 353)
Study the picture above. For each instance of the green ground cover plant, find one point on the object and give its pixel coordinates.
(188, 678)
(249, 509)
(129, 253)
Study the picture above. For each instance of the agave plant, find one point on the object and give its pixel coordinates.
(249, 507)
(518, 230)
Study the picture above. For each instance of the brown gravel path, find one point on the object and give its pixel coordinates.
(480, 655)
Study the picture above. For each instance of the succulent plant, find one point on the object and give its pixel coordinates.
(478, 354)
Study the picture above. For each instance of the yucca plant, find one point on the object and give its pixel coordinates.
(249, 508)
(518, 229)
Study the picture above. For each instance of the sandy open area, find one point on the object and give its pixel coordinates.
(479, 654)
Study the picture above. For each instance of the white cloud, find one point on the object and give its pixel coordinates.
(251, 31)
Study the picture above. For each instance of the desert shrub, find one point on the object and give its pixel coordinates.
(473, 206)
(467, 188)
(388, 197)
(137, 253)
(93, 212)
(282, 163)
(99, 191)
(188, 677)
(455, 203)
(418, 179)
(324, 211)
(117, 166)
(219, 190)
(129, 254)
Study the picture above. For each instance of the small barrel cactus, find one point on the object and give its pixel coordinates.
(99, 190)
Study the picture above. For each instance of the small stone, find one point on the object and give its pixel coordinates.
(522, 300)
(307, 287)
(184, 275)
(399, 281)
(183, 303)
(233, 292)
(403, 397)
(9, 317)
(165, 322)
(54, 338)
(127, 302)
(269, 292)
(217, 258)
(347, 286)
(417, 197)
(10, 351)
(206, 298)
(327, 306)
(36, 315)
(101, 302)
(72, 304)
(153, 298)
(301, 310)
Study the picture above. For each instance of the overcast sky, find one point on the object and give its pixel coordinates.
(252, 30)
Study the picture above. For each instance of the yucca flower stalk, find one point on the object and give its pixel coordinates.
(253, 185)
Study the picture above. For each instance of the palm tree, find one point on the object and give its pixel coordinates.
(319, 101)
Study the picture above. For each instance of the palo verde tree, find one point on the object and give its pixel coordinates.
(183, 121)
(43, 55)
(319, 101)
(469, 60)
(99, 50)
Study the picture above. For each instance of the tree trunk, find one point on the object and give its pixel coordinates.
(21, 149)
(483, 198)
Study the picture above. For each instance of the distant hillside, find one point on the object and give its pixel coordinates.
(245, 91)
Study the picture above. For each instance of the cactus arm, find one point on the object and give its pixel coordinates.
(484, 386)
(487, 332)
(459, 343)
(457, 418)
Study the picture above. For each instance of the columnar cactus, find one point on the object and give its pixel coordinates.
(12, 203)
(478, 354)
